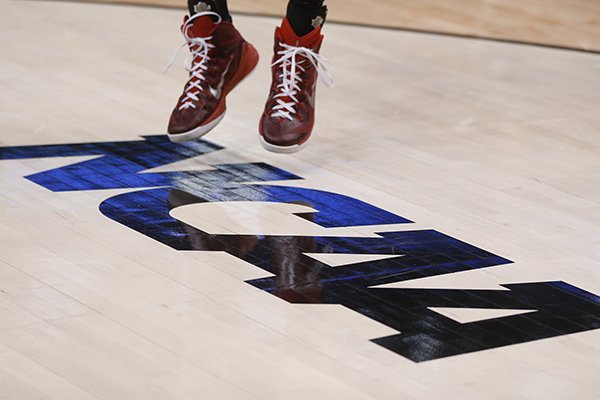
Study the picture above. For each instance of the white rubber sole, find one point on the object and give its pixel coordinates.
(282, 149)
(195, 133)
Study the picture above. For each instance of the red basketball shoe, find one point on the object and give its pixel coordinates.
(219, 59)
(289, 115)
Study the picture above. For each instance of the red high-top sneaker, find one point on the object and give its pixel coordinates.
(220, 58)
(288, 119)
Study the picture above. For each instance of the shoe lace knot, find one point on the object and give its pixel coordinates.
(196, 61)
(292, 62)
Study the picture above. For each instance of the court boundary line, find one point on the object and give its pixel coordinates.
(351, 24)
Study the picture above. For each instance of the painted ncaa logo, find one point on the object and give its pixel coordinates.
(550, 309)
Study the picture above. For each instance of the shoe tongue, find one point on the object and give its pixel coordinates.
(288, 36)
(202, 26)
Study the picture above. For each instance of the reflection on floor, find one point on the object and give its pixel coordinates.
(133, 268)
(297, 276)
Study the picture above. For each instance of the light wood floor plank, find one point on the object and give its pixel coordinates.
(568, 23)
(492, 143)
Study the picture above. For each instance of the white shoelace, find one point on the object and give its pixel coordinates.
(290, 77)
(195, 62)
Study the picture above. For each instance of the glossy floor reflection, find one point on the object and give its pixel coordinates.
(556, 308)
(438, 238)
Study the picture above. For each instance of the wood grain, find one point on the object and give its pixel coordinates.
(565, 23)
(491, 143)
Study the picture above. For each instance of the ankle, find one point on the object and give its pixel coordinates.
(216, 6)
(306, 15)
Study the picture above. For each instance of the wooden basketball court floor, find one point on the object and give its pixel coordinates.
(135, 269)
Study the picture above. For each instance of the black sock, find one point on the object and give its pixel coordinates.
(217, 6)
(306, 15)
